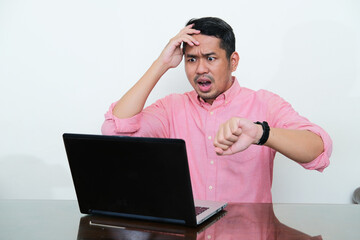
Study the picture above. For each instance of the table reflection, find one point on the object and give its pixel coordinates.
(239, 221)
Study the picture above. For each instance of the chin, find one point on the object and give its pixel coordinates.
(207, 98)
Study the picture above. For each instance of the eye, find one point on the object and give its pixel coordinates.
(211, 59)
(191, 59)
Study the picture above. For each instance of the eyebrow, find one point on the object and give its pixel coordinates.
(205, 55)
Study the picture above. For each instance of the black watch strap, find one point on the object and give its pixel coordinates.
(265, 136)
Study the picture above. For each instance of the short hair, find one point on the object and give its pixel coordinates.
(212, 26)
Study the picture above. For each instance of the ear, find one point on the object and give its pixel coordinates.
(234, 61)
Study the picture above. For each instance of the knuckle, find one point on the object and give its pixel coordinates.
(220, 140)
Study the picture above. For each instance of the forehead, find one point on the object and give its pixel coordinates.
(206, 45)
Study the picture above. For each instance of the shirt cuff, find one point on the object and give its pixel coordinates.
(323, 160)
(126, 125)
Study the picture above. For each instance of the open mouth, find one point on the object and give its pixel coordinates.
(204, 84)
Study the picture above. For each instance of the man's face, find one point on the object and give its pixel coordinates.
(207, 67)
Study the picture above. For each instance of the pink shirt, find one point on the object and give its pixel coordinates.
(242, 177)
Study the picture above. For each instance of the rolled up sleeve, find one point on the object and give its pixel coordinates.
(284, 116)
(151, 122)
(114, 126)
(323, 160)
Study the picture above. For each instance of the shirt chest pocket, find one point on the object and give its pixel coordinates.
(244, 156)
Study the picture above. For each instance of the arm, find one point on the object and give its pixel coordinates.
(134, 100)
(237, 134)
(299, 145)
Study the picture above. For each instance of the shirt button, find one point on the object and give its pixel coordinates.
(209, 137)
(210, 187)
(209, 237)
(211, 113)
(211, 162)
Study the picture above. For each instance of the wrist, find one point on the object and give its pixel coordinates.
(263, 133)
(159, 67)
(259, 133)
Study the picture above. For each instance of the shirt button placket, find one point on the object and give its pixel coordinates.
(211, 174)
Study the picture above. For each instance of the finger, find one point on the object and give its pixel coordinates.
(186, 35)
(234, 127)
(231, 133)
(176, 41)
(227, 152)
(189, 40)
(219, 151)
(227, 135)
(191, 29)
(223, 147)
(218, 142)
(188, 31)
(242, 144)
(221, 142)
(222, 152)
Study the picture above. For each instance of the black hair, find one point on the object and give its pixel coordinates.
(212, 26)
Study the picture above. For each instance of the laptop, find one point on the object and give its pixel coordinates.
(135, 177)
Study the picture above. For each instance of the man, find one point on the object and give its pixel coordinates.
(231, 133)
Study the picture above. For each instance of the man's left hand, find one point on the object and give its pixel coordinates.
(236, 135)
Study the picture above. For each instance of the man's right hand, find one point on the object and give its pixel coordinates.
(134, 100)
(172, 54)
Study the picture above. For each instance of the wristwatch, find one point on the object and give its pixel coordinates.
(266, 132)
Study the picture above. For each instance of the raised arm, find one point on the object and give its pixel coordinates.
(134, 100)
(237, 134)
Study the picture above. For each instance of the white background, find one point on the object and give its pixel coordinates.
(62, 63)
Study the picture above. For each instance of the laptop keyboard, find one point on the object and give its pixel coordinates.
(199, 210)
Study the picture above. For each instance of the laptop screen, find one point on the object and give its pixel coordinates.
(141, 176)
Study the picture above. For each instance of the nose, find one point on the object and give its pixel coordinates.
(202, 67)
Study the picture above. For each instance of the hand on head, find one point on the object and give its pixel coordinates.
(172, 54)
